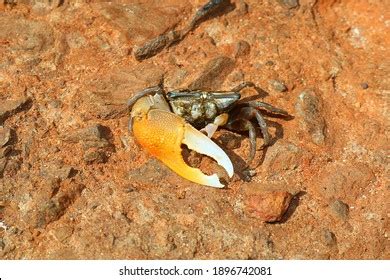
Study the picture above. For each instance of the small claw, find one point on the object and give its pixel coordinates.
(162, 133)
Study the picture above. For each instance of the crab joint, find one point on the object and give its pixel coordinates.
(162, 133)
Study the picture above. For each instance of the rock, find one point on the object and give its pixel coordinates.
(140, 22)
(214, 74)
(309, 108)
(289, 3)
(94, 133)
(9, 108)
(12, 167)
(3, 164)
(329, 238)
(152, 171)
(2, 245)
(55, 207)
(364, 85)
(339, 209)
(278, 85)
(63, 233)
(241, 48)
(95, 142)
(5, 151)
(26, 39)
(242, 8)
(282, 156)
(95, 136)
(5, 136)
(107, 96)
(343, 181)
(75, 40)
(57, 170)
(44, 6)
(268, 206)
(95, 156)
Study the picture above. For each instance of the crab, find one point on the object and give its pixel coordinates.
(162, 122)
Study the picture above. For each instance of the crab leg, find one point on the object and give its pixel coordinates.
(162, 134)
(211, 128)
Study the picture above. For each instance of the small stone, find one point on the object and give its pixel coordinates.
(340, 209)
(95, 156)
(52, 209)
(151, 171)
(269, 63)
(289, 3)
(3, 164)
(5, 151)
(213, 74)
(91, 133)
(329, 237)
(57, 170)
(268, 206)
(95, 136)
(9, 108)
(242, 8)
(241, 48)
(5, 136)
(282, 156)
(309, 108)
(63, 233)
(278, 85)
(107, 96)
(364, 85)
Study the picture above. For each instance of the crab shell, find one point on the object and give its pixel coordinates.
(162, 133)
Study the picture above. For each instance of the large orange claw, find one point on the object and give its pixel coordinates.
(162, 133)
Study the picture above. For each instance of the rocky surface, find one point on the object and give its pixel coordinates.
(75, 185)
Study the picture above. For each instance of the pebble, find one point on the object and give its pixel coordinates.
(54, 208)
(364, 85)
(289, 3)
(63, 233)
(329, 237)
(278, 85)
(340, 209)
(3, 164)
(91, 133)
(55, 170)
(95, 136)
(282, 156)
(107, 96)
(95, 156)
(5, 135)
(309, 109)
(214, 74)
(242, 8)
(5, 151)
(152, 171)
(268, 206)
(241, 48)
(9, 108)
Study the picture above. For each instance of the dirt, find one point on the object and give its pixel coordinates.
(74, 184)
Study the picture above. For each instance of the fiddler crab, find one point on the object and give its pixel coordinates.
(162, 122)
